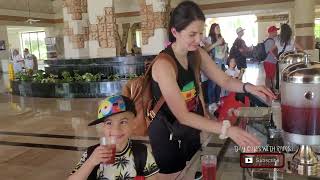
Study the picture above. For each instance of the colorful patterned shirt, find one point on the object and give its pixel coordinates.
(124, 166)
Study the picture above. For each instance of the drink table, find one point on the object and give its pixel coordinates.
(228, 154)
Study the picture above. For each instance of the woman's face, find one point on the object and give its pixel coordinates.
(217, 29)
(190, 37)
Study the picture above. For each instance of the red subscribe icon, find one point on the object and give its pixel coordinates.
(262, 160)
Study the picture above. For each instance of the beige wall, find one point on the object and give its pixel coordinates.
(42, 6)
(14, 40)
(126, 5)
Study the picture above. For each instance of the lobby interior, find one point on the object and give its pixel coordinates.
(43, 129)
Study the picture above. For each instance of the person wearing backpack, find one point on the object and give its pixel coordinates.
(270, 62)
(240, 50)
(174, 131)
(132, 159)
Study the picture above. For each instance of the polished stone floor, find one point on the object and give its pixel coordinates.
(43, 138)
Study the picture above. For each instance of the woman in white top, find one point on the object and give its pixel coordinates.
(285, 42)
(218, 49)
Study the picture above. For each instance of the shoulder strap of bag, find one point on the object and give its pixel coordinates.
(161, 101)
(268, 39)
(197, 68)
(140, 154)
(283, 49)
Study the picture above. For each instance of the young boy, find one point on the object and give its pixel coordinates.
(231, 71)
(115, 115)
(232, 68)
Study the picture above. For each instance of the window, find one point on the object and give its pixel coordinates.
(34, 41)
(317, 28)
(139, 38)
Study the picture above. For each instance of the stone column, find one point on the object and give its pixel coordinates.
(102, 28)
(57, 31)
(154, 32)
(4, 54)
(304, 26)
(76, 28)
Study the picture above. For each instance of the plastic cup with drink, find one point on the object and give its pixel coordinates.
(110, 143)
(208, 164)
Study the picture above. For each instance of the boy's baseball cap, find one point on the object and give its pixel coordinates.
(272, 29)
(113, 105)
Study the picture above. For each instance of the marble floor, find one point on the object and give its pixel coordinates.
(43, 138)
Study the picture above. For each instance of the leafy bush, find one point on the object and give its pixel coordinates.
(41, 77)
(66, 77)
(51, 79)
(77, 77)
(38, 76)
(22, 76)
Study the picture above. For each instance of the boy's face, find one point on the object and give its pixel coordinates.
(232, 63)
(119, 126)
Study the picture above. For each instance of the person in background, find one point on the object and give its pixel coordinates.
(232, 71)
(285, 42)
(30, 60)
(270, 62)
(240, 50)
(18, 61)
(218, 49)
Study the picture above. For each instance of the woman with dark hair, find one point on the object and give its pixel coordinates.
(285, 42)
(218, 50)
(182, 110)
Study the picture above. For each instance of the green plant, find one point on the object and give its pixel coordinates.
(114, 77)
(77, 77)
(98, 76)
(88, 77)
(38, 76)
(132, 76)
(22, 76)
(66, 77)
(51, 79)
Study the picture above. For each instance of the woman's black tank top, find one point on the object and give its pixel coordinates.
(187, 84)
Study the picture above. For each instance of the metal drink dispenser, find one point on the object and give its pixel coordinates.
(300, 106)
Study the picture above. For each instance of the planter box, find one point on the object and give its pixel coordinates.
(68, 90)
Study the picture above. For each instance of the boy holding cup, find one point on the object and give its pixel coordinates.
(131, 159)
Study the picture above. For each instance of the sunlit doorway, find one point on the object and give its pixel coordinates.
(228, 26)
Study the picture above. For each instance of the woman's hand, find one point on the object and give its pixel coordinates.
(260, 91)
(101, 154)
(242, 138)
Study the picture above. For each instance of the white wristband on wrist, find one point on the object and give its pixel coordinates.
(225, 126)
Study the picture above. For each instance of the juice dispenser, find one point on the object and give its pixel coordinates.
(300, 106)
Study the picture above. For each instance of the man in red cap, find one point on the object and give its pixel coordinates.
(270, 61)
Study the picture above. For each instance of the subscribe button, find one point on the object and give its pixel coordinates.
(262, 160)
